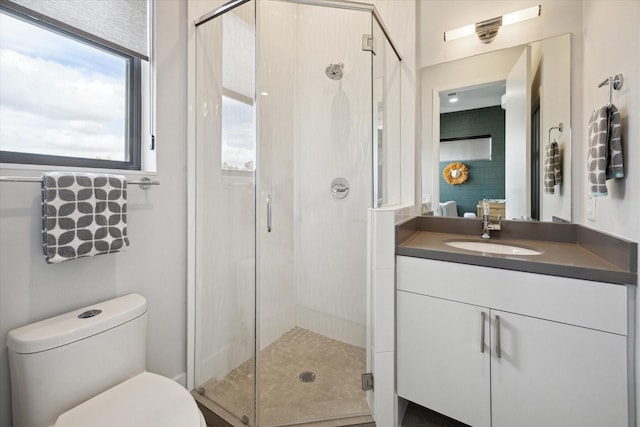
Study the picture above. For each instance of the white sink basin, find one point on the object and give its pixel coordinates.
(492, 247)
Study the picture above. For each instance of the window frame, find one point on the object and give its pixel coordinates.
(133, 112)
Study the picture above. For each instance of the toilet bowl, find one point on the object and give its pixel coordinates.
(87, 367)
(144, 400)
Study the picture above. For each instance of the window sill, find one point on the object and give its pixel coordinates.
(6, 168)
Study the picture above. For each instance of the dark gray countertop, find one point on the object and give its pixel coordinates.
(568, 250)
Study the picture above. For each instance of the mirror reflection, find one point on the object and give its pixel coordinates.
(498, 115)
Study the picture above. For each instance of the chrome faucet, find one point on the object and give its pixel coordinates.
(486, 225)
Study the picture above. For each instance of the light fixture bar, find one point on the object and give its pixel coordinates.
(521, 15)
(488, 29)
(459, 33)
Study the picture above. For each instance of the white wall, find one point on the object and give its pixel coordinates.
(332, 139)
(400, 18)
(155, 263)
(517, 136)
(556, 108)
(611, 40)
(606, 53)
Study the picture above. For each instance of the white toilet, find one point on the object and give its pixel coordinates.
(87, 368)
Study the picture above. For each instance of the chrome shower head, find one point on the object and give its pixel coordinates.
(334, 71)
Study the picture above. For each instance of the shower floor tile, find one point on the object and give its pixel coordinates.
(284, 398)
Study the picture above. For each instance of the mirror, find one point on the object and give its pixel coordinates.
(504, 127)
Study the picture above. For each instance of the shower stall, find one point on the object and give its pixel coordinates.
(297, 135)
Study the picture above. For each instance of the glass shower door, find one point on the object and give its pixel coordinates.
(225, 214)
(314, 189)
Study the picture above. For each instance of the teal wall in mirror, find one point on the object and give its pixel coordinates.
(486, 177)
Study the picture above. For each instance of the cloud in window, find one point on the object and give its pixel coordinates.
(59, 96)
(59, 91)
(238, 134)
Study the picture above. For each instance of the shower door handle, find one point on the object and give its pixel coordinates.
(269, 199)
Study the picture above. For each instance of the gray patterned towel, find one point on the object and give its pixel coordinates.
(615, 163)
(552, 170)
(605, 149)
(83, 214)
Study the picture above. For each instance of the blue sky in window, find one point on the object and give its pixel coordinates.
(58, 95)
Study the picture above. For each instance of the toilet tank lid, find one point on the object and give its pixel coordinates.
(76, 325)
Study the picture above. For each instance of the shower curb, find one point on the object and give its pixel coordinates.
(219, 417)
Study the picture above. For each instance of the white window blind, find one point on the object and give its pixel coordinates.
(238, 47)
(120, 24)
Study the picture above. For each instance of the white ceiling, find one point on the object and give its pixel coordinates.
(473, 97)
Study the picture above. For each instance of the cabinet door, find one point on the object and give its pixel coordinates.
(442, 363)
(556, 375)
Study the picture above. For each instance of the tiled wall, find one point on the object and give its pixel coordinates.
(382, 311)
(486, 177)
(330, 141)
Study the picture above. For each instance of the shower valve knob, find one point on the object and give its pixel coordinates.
(339, 188)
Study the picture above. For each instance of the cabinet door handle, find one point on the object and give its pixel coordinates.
(482, 317)
(269, 199)
(498, 349)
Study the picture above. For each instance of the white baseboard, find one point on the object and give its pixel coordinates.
(181, 379)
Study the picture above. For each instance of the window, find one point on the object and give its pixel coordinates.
(238, 150)
(66, 99)
(461, 149)
(238, 133)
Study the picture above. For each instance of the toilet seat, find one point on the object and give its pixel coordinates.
(145, 400)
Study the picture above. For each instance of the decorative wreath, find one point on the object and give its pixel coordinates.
(455, 173)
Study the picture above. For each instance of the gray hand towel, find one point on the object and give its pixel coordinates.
(83, 214)
(615, 163)
(605, 159)
(552, 169)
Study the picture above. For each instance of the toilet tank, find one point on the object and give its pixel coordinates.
(59, 363)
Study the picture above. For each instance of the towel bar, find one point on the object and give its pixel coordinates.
(144, 183)
(560, 127)
(614, 82)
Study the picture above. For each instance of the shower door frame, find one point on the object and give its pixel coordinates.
(192, 179)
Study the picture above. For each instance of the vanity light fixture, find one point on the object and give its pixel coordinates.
(453, 97)
(487, 30)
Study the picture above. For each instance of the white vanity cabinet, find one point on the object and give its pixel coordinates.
(554, 374)
(439, 360)
(504, 348)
